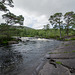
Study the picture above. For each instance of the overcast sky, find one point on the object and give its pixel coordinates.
(37, 12)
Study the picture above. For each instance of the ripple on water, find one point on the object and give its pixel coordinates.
(21, 58)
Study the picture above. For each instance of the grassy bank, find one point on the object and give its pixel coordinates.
(4, 39)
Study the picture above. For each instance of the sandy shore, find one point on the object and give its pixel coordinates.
(61, 61)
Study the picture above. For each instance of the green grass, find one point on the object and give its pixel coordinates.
(67, 44)
(5, 42)
(66, 52)
(73, 38)
(58, 62)
(61, 52)
(73, 51)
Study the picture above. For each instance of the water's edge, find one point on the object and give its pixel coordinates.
(26, 58)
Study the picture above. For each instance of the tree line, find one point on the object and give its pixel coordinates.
(60, 21)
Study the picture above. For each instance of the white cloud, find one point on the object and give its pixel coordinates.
(41, 20)
(32, 20)
(1, 19)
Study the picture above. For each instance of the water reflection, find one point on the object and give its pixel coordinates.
(9, 59)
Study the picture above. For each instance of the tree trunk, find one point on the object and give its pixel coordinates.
(60, 29)
(67, 30)
(60, 33)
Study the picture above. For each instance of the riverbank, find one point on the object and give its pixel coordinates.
(9, 40)
(4, 40)
(60, 61)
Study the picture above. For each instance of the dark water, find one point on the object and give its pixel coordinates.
(23, 58)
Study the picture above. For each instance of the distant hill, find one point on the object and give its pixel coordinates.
(22, 27)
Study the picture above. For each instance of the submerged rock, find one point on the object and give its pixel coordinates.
(12, 42)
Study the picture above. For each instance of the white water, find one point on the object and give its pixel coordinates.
(34, 39)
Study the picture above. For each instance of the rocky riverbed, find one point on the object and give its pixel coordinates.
(61, 61)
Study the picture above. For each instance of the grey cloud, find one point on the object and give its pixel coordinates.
(46, 7)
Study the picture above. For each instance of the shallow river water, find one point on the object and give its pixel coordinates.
(23, 58)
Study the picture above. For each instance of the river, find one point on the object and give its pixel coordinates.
(25, 57)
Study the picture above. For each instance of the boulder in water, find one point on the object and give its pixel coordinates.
(12, 42)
